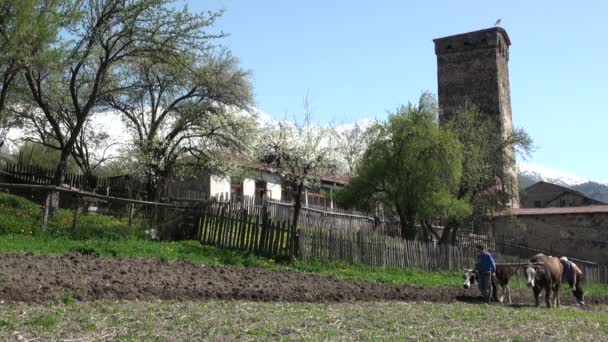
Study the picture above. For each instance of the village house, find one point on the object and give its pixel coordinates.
(548, 195)
(264, 181)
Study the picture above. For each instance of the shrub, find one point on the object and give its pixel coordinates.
(20, 216)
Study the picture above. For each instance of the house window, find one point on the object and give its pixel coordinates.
(562, 203)
(537, 204)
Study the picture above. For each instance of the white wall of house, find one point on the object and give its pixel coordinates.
(275, 191)
(273, 184)
(248, 187)
(219, 185)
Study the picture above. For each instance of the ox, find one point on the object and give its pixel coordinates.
(503, 275)
(544, 273)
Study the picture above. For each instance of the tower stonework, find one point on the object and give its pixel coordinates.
(474, 66)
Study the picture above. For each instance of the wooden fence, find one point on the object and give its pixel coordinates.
(594, 272)
(125, 186)
(314, 217)
(374, 249)
(350, 238)
(245, 228)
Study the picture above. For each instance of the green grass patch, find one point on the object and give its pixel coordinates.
(236, 320)
(46, 322)
(386, 275)
(18, 215)
(132, 248)
(67, 298)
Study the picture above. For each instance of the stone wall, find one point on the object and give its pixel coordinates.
(576, 234)
(473, 67)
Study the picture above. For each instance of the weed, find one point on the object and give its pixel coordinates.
(67, 298)
(45, 322)
(85, 251)
(6, 279)
(6, 324)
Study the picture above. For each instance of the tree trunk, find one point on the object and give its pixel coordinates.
(454, 235)
(294, 223)
(449, 233)
(428, 228)
(151, 192)
(154, 186)
(407, 224)
(445, 235)
(58, 179)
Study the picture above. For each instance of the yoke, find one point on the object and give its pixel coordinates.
(520, 264)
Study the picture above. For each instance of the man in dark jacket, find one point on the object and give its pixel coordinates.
(486, 267)
(574, 276)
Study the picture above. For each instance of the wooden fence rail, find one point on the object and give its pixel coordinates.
(125, 186)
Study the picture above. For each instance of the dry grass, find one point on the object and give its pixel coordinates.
(221, 320)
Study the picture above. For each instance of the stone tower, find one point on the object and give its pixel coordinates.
(474, 66)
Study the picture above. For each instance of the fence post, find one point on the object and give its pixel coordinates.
(76, 207)
(45, 217)
(131, 206)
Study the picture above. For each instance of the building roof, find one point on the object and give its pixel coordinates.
(589, 209)
(471, 39)
(552, 192)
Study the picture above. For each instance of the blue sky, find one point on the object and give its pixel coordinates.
(358, 59)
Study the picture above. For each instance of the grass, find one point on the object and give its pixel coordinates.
(45, 322)
(233, 320)
(18, 215)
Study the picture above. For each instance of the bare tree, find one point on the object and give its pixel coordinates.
(92, 149)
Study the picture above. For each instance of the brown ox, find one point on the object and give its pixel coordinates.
(503, 275)
(545, 274)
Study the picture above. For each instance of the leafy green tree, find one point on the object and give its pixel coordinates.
(68, 77)
(412, 166)
(31, 153)
(25, 26)
(487, 153)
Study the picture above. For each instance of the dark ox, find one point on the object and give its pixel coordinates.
(503, 275)
(545, 273)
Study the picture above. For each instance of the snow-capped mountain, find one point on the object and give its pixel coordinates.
(542, 173)
(530, 173)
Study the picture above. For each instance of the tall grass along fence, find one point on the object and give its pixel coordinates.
(84, 214)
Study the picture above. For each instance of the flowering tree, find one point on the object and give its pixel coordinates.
(183, 114)
(350, 145)
(301, 154)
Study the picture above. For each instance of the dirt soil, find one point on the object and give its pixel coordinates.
(41, 279)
